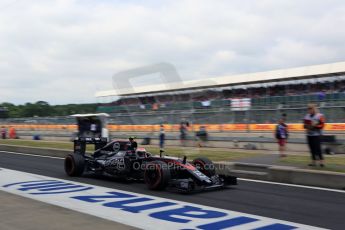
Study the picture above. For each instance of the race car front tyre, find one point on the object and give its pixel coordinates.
(157, 175)
(205, 165)
(74, 164)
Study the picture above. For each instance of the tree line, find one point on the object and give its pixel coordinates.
(43, 109)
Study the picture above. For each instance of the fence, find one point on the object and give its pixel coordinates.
(333, 114)
(222, 117)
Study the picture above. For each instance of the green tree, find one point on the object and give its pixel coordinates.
(43, 109)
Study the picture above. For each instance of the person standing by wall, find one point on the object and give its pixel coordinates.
(183, 133)
(201, 136)
(3, 132)
(313, 124)
(12, 133)
(281, 134)
(161, 137)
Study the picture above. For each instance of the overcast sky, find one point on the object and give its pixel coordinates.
(63, 51)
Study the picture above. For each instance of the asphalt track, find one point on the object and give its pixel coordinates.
(301, 205)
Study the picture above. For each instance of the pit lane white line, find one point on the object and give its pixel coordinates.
(241, 179)
(32, 155)
(138, 210)
(293, 185)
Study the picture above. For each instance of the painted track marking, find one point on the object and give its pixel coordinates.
(138, 210)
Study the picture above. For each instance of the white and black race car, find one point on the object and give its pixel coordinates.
(158, 172)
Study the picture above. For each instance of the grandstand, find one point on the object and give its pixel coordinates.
(255, 98)
(235, 110)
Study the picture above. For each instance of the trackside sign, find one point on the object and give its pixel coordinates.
(137, 210)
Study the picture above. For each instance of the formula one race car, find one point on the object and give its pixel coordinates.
(158, 172)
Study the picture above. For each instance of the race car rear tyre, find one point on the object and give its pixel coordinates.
(74, 164)
(205, 165)
(157, 175)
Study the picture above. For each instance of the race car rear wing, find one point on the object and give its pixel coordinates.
(81, 142)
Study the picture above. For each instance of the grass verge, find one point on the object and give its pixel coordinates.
(40, 144)
(333, 162)
(214, 154)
